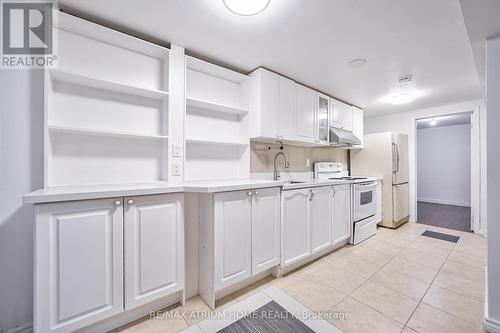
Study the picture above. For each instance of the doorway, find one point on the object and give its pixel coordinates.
(444, 171)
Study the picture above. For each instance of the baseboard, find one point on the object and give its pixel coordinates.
(25, 328)
(444, 202)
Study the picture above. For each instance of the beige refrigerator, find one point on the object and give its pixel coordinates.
(385, 155)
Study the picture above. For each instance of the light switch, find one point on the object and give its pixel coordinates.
(176, 150)
(308, 162)
(176, 169)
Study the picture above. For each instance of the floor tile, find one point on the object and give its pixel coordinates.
(389, 302)
(467, 259)
(428, 319)
(361, 318)
(290, 304)
(361, 267)
(461, 285)
(192, 329)
(437, 250)
(472, 250)
(372, 255)
(314, 294)
(288, 279)
(155, 325)
(408, 330)
(336, 277)
(405, 284)
(322, 326)
(195, 309)
(421, 258)
(384, 247)
(455, 304)
(473, 273)
(413, 269)
(337, 254)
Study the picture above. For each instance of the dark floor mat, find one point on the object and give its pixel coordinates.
(270, 318)
(444, 216)
(441, 236)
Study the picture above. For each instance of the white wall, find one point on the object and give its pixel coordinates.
(443, 165)
(493, 165)
(21, 163)
(405, 123)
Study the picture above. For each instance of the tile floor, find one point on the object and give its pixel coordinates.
(397, 281)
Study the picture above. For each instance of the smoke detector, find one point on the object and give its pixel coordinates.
(405, 79)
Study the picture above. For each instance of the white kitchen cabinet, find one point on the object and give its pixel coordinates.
(266, 220)
(357, 126)
(78, 264)
(321, 218)
(154, 255)
(341, 213)
(232, 237)
(322, 119)
(341, 115)
(305, 114)
(295, 226)
(272, 104)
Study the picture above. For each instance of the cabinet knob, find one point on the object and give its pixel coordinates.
(249, 193)
(118, 203)
(130, 202)
(255, 192)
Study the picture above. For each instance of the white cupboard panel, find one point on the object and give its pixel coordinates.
(358, 126)
(153, 247)
(341, 213)
(295, 227)
(232, 233)
(321, 218)
(286, 108)
(266, 217)
(305, 113)
(341, 115)
(79, 264)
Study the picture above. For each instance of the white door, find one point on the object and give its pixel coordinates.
(266, 218)
(341, 115)
(305, 113)
(400, 206)
(154, 247)
(341, 213)
(78, 264)
(321, 218)
(400, 158)
(322, 122)
(286, 108)
(232, 241)
(295, 229)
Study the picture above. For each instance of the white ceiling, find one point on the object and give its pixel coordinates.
(449, 120)
(312, 42)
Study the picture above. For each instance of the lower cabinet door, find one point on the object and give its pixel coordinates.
(266, 219)
(341, 213)
(232, 237)
(295, 230)
(78, 263)
(321, 218)
(154, 247)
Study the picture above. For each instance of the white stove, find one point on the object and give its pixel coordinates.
(363, 199)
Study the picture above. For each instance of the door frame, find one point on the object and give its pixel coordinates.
(477, 223)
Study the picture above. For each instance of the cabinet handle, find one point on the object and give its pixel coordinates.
(249, 193)
(130, 202)
(118, 203)
(334, 192)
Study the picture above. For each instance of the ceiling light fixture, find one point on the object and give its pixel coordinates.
(433, 122)
(403, 98)
(246, 7)
(356, 63)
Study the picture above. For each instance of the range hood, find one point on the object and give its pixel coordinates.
(342, 138)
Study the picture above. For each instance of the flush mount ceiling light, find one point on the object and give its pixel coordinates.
(246, 7)
(403, 98)
(356, 63)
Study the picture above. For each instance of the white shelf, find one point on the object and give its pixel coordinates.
(83, 131)
(215, 106)
(216, 142)
(87, 81)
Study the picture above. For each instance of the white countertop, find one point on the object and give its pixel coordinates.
(324, 182)
(70, 193)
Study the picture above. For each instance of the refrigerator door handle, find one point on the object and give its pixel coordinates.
(397, 157)
(394, 162)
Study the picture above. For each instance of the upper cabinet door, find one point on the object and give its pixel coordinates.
(154, 247)
(233, 234)
(305, 113)
(341, 115)
(269, 104)
(79, 264)
(341, 211)
(357, 125)
(266, 219)
(322, 118)
(295, 231)
(286, 108)
(321, 218)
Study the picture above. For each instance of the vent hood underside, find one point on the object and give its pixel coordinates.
(340, 137)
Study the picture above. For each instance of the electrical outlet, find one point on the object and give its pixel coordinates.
(176, 169)
(308, 162)
(176, 150)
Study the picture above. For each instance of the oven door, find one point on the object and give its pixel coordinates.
(365, 200)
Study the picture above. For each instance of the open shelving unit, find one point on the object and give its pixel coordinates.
(216, 122)
(103, 124)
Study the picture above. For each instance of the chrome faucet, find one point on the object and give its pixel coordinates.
(276, 173)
